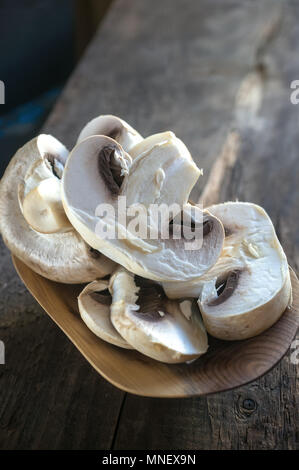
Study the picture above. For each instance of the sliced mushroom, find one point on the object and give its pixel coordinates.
(162, 172)
(94, 306)
(114, 127)
(229, 260)
(249, 287)
(152, 324)
(39, 191)
(62, 257)
(43, 209)
(103, 172)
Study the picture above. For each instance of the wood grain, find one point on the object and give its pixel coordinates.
(168, 65)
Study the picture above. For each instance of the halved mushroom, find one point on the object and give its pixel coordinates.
(249, 287)
(114, 127)
(164, 174)
(62, 257)
(229, 260)
(39, 191)
(94, 306)
(153, 324)
(43, 209)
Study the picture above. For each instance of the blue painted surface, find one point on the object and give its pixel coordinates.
(28, 114)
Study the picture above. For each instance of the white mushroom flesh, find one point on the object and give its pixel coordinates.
(43, 209)
(94, 307)
(152, 324)
(250, 288)
(62, 257)
(114, 127)
(160, 259)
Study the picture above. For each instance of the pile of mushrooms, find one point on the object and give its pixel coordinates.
(148, 294)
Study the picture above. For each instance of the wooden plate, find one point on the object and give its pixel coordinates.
(226, 364)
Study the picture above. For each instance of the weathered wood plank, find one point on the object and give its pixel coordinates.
(160, 65)
(166, 65)
(50, 397)
(258, 162)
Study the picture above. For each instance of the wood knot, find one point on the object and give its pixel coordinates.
(249, 404)
(246, 407)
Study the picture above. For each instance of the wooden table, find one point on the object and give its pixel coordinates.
(218, 74)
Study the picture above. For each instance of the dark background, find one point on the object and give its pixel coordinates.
(41, 42)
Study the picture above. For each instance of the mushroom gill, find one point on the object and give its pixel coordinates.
(110, 169)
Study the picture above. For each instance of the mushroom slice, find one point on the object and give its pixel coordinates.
(39, 191)
(114, 127)
(104, 172)
(94, 306)
(62, 257)
(153, 324)
(49, 163)
(249, 287)
(229, 260)
(162, 172)
(43, 209)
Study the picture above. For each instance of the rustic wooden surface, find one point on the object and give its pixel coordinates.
(218, 74)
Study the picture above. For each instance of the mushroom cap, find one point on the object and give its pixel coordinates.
(62, 257)
(152, 324)
(249, 287)
(89, 168)
(94, 307)
(114, 127)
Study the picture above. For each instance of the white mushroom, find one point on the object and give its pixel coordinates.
(114, 127)
(94, 306)
(152, 324)
(162, 172)
(39, 191)
(98, 172)
(43, 209)
(62, 257)
(228, 261)
(249, 287)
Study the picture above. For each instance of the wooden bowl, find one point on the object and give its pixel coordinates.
(226, 365)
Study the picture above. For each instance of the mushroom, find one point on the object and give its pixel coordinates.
(43, 210)
(62, 257)
(94, 307)
(163, 174)
(162, 171)
(228, 261)
(114, 127)
(39, 191)
(249, 287)
(153, 324)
